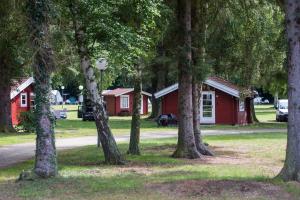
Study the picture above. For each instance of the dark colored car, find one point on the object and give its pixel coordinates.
(166, 120)
(86, 111)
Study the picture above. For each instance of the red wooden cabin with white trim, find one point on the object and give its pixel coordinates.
(220, 102)
(22, 98)
(120, 101)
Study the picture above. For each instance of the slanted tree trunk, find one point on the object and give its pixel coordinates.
(186, 147)
(204, 150)
(45, 156)
(111, 152)
(136, 116)
(291, 169)
(5, 110)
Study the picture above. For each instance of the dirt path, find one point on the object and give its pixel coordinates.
(13, 154)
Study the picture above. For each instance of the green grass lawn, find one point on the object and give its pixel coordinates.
(243, 168)
(74, 127)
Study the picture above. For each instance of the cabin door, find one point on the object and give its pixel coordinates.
(207, 108)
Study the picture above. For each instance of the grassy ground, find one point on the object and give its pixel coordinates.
(74, 127)
(242, 169)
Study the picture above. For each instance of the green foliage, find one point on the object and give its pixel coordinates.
(27, 122)
(246, 37)
(13, 45)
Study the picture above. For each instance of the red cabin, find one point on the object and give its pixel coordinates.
(120, 101)
(220, 102)
(22, 98)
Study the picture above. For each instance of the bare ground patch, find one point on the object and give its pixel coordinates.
(208, 189)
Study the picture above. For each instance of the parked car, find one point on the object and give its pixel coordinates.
(85, 111)
(166, 120)
(282, 110)
(265, 101)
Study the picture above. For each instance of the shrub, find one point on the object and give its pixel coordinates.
(27, 121)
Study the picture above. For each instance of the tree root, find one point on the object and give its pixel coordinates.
(28, 175)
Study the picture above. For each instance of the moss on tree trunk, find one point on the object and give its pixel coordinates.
(45, 157)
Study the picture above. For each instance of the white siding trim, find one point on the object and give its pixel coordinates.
(22, 87)
(211, 83)
(165, 91)
(223, 88)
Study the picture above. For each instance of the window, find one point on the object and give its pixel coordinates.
(32, 97)
(124, 101)
(242, 106)
(23, 100)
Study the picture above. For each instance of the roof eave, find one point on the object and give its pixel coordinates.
(22, 87)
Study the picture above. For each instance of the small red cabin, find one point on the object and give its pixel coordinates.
(22, 98)
(120, 101)
(220, 102)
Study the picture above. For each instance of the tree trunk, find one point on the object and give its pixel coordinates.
(45, 156)
(159, 81)
(291, 169)
(136, 116)
(186, 147)
(253, 117)
(111, 152)
(204, 150)
(5, 110)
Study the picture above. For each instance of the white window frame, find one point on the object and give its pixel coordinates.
(25, 96)
(121, 101)
(242, 106)
(32, 100)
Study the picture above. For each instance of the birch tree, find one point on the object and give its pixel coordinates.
(111, 152)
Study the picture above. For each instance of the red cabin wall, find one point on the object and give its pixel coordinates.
(114, 107)
(170, 103)
(110, 105)
(118, 106)
(16, 108)
(145, 105)
(227, 107)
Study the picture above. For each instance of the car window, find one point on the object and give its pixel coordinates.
(283, 105)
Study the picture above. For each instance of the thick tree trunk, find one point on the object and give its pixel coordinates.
(5, 110)
(111, 152)
(136, 117)
(45, 157)
(186, 147)
(201, 147)
(291, 169)
(253, 117)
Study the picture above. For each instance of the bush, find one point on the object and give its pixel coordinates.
(27, 121)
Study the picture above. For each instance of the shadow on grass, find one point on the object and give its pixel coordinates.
(82, 176)
(89, 185)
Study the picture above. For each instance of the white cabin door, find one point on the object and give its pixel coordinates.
(207, 108)
(142, 106)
